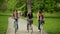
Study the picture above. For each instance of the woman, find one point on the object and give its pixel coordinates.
(30, 20)
(40, 19)
(15, 16)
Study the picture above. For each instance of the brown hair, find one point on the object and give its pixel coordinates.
(40, 10)
(14, 10)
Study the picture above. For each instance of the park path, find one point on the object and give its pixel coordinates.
(22, 27)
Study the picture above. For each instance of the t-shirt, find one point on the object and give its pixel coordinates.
(40, 16)
(30, 16)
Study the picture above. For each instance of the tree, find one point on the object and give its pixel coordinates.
(28, 5)
(3, 5)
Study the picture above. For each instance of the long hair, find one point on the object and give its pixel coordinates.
(14, 10)
(40, 11)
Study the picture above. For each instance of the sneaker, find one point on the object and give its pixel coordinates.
(38, 30)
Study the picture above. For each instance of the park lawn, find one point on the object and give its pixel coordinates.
(55, 14)
(3, 24)
(51, 26)
(7, 13)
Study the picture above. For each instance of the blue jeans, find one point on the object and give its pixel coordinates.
(29, 23)
(16, 23)
(39, 23)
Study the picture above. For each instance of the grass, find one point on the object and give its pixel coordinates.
(51, 26)
(52, 22)
(55, 14)
(4, 21)
(6, 13)
(3, 24)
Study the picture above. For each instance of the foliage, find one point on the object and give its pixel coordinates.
(11, 4)
(1, 2)
(3, 5)
(45, 5)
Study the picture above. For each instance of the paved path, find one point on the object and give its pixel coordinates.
(22, 27)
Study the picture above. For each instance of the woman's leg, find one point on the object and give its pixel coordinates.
(28, 26)
(39, 25)
(15, 26)
(17, 23)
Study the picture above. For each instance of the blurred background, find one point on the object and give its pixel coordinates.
(51, 11)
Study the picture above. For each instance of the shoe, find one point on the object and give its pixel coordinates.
(38, 30)
(28, 30)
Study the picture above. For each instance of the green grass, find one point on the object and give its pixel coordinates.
(51, 26)
(55, 14)
(4, 21)
(6, 13)
(3, 24)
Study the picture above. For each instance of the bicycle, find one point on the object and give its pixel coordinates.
(29, 25)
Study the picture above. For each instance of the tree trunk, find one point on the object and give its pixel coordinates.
(28, 5)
